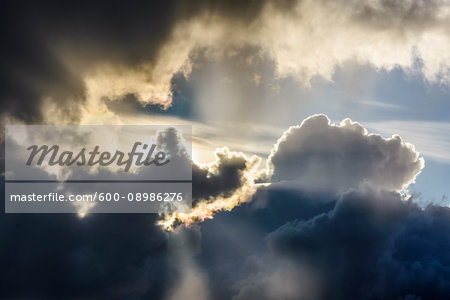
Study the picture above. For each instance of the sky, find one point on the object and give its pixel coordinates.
(320, 137)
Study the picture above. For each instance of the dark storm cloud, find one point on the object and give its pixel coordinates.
(51, 49)
(60, 256)
(321, 154)
(232, 241)
(39, 38)
(30, 72)
(386, 14)
(64, 257)
(221, 178)
(371, 245)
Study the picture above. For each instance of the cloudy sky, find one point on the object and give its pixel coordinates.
(320, 146)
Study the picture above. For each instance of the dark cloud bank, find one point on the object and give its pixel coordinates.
(291, 241)
(37, 36)
(365, 245)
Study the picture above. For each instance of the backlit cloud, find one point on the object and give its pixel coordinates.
(221, 185)
(324, 155)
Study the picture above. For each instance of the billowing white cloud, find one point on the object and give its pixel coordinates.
(324, 155)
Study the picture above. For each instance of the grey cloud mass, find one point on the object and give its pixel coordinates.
(372, 245)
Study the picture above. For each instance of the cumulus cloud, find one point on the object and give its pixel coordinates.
(324, 155)
(316, 155)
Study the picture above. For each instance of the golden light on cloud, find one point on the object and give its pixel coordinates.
(206, 208)
(312, 40)
(83, 208)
